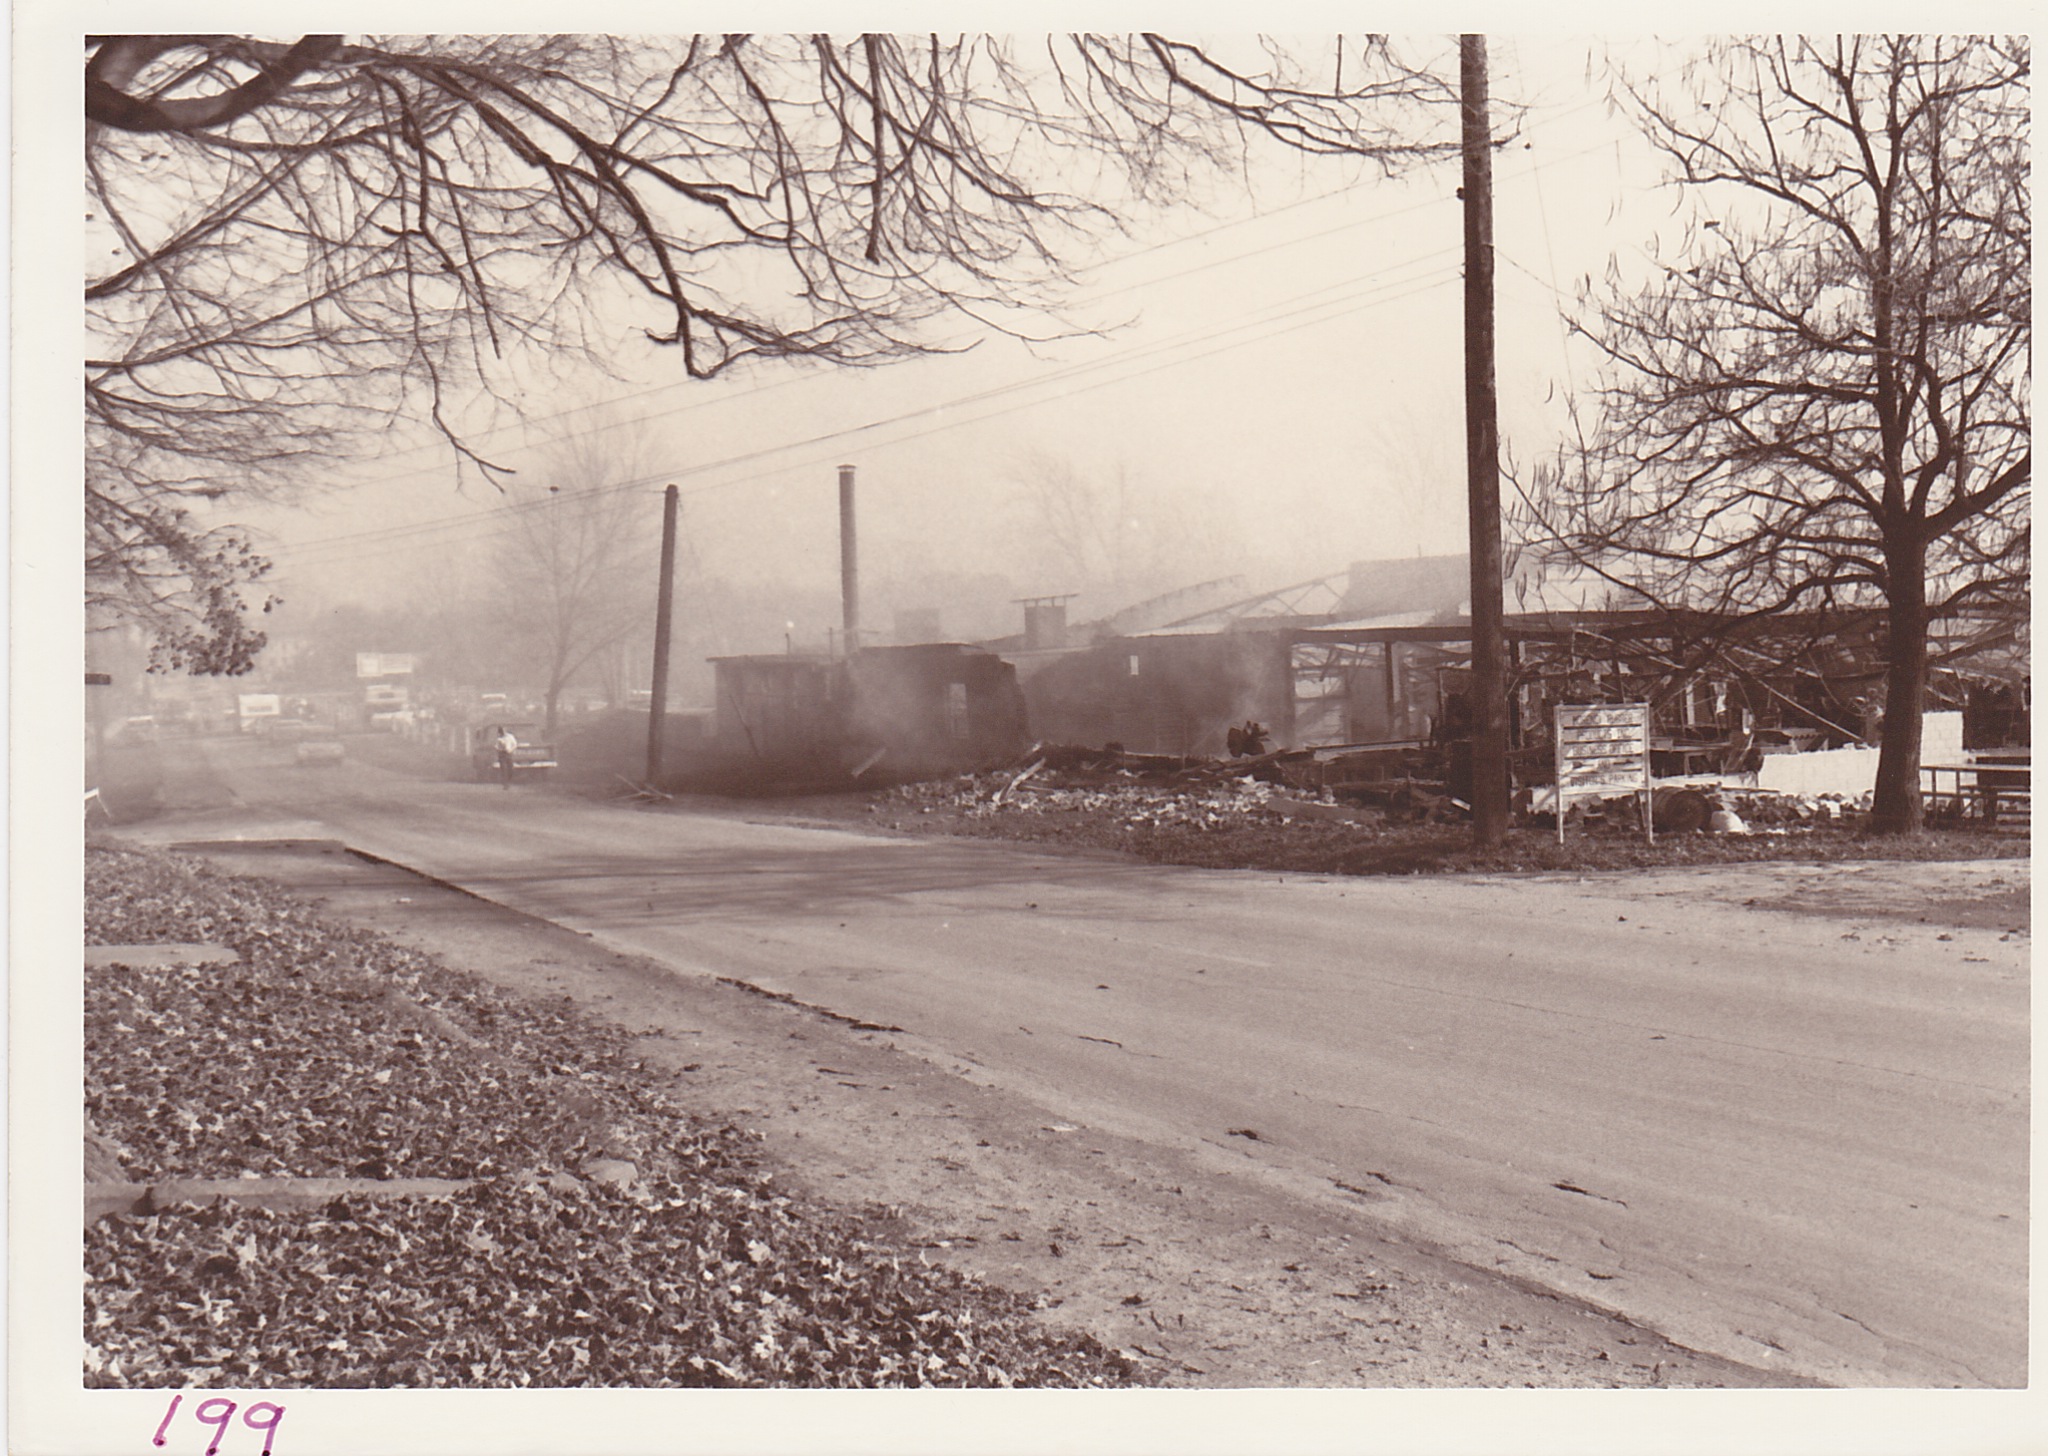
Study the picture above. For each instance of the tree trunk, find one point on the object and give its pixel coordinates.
(1895, 807)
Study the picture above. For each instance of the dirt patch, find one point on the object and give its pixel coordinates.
(1203, 1264)
(1967, 894)
(2007, 910)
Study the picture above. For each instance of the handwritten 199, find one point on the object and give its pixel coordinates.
(219, 1412)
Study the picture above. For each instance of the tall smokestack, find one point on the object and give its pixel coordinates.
(849, 563)
(665, 601)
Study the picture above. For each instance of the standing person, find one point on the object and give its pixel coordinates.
(505, 743)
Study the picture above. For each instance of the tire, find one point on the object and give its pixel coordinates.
(1685, 811)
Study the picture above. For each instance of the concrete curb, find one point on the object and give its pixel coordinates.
(145, 1199)
(203, 953)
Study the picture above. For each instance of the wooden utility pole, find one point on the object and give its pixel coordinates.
(665, 600)
(1489, 698)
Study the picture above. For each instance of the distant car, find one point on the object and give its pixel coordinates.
(320, 751)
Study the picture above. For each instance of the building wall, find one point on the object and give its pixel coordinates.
(1178, 694)
(930, 708)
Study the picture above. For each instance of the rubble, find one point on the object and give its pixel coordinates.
(1135, 804)
(1159, 791)
(1164, 791)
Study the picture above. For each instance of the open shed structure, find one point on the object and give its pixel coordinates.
(1724, 692)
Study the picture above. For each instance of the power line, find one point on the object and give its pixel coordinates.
(310, 553)
(746, 395)
(468, 526)
(1085, 301)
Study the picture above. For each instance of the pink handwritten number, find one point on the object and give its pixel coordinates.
(167, 1419)
(219, 1413)
(223, 1420)
(269, 1427)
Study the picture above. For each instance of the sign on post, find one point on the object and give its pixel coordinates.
(1602, 749)
(386, 664)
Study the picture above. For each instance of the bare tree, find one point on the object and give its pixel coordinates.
(1824, 403)
(293, 239)
(574, 572)
(1109, 534)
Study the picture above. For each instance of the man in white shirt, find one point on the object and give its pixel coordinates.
(505, 743)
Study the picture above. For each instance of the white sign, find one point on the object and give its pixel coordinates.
(385, 664)
(1602, 749)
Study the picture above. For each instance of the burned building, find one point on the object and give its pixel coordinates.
(1163, 692)
(1279, 659)
(1378, 658)
(886, 712)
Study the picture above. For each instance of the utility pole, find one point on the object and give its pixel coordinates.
(665, 600)
(1489, 698)
(849, 563)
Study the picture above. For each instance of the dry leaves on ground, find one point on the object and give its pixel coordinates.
(299, 1061)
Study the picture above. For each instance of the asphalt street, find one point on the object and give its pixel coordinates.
(1790, 1140)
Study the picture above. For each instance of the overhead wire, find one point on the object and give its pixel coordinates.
(1370, 296)
(944, 344)
(308, 552)
(743, 396)
(501, 520)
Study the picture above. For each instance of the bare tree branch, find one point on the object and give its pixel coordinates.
(293, 241)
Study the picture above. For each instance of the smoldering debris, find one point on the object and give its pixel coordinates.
(1367, 790)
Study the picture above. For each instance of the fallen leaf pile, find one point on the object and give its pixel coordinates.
(300, 1061)
(292, 1062)
(512, 1285)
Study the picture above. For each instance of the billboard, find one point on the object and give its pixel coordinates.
(259, 705)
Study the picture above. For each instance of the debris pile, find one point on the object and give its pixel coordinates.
(1763, 807)
(1135, 791)
(1138, 791)
(1377, 811)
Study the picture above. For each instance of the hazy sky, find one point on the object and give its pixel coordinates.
(1285, 378)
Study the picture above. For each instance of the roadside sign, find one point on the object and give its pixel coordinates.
(1603, 749)
(386, 664)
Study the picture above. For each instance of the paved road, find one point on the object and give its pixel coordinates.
(1772, 1137)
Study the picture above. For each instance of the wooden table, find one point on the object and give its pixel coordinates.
(1979, 784)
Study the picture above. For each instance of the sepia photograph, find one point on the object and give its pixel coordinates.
(1244, 740)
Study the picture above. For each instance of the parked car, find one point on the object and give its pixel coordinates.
(320, 751)
(531, 759)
